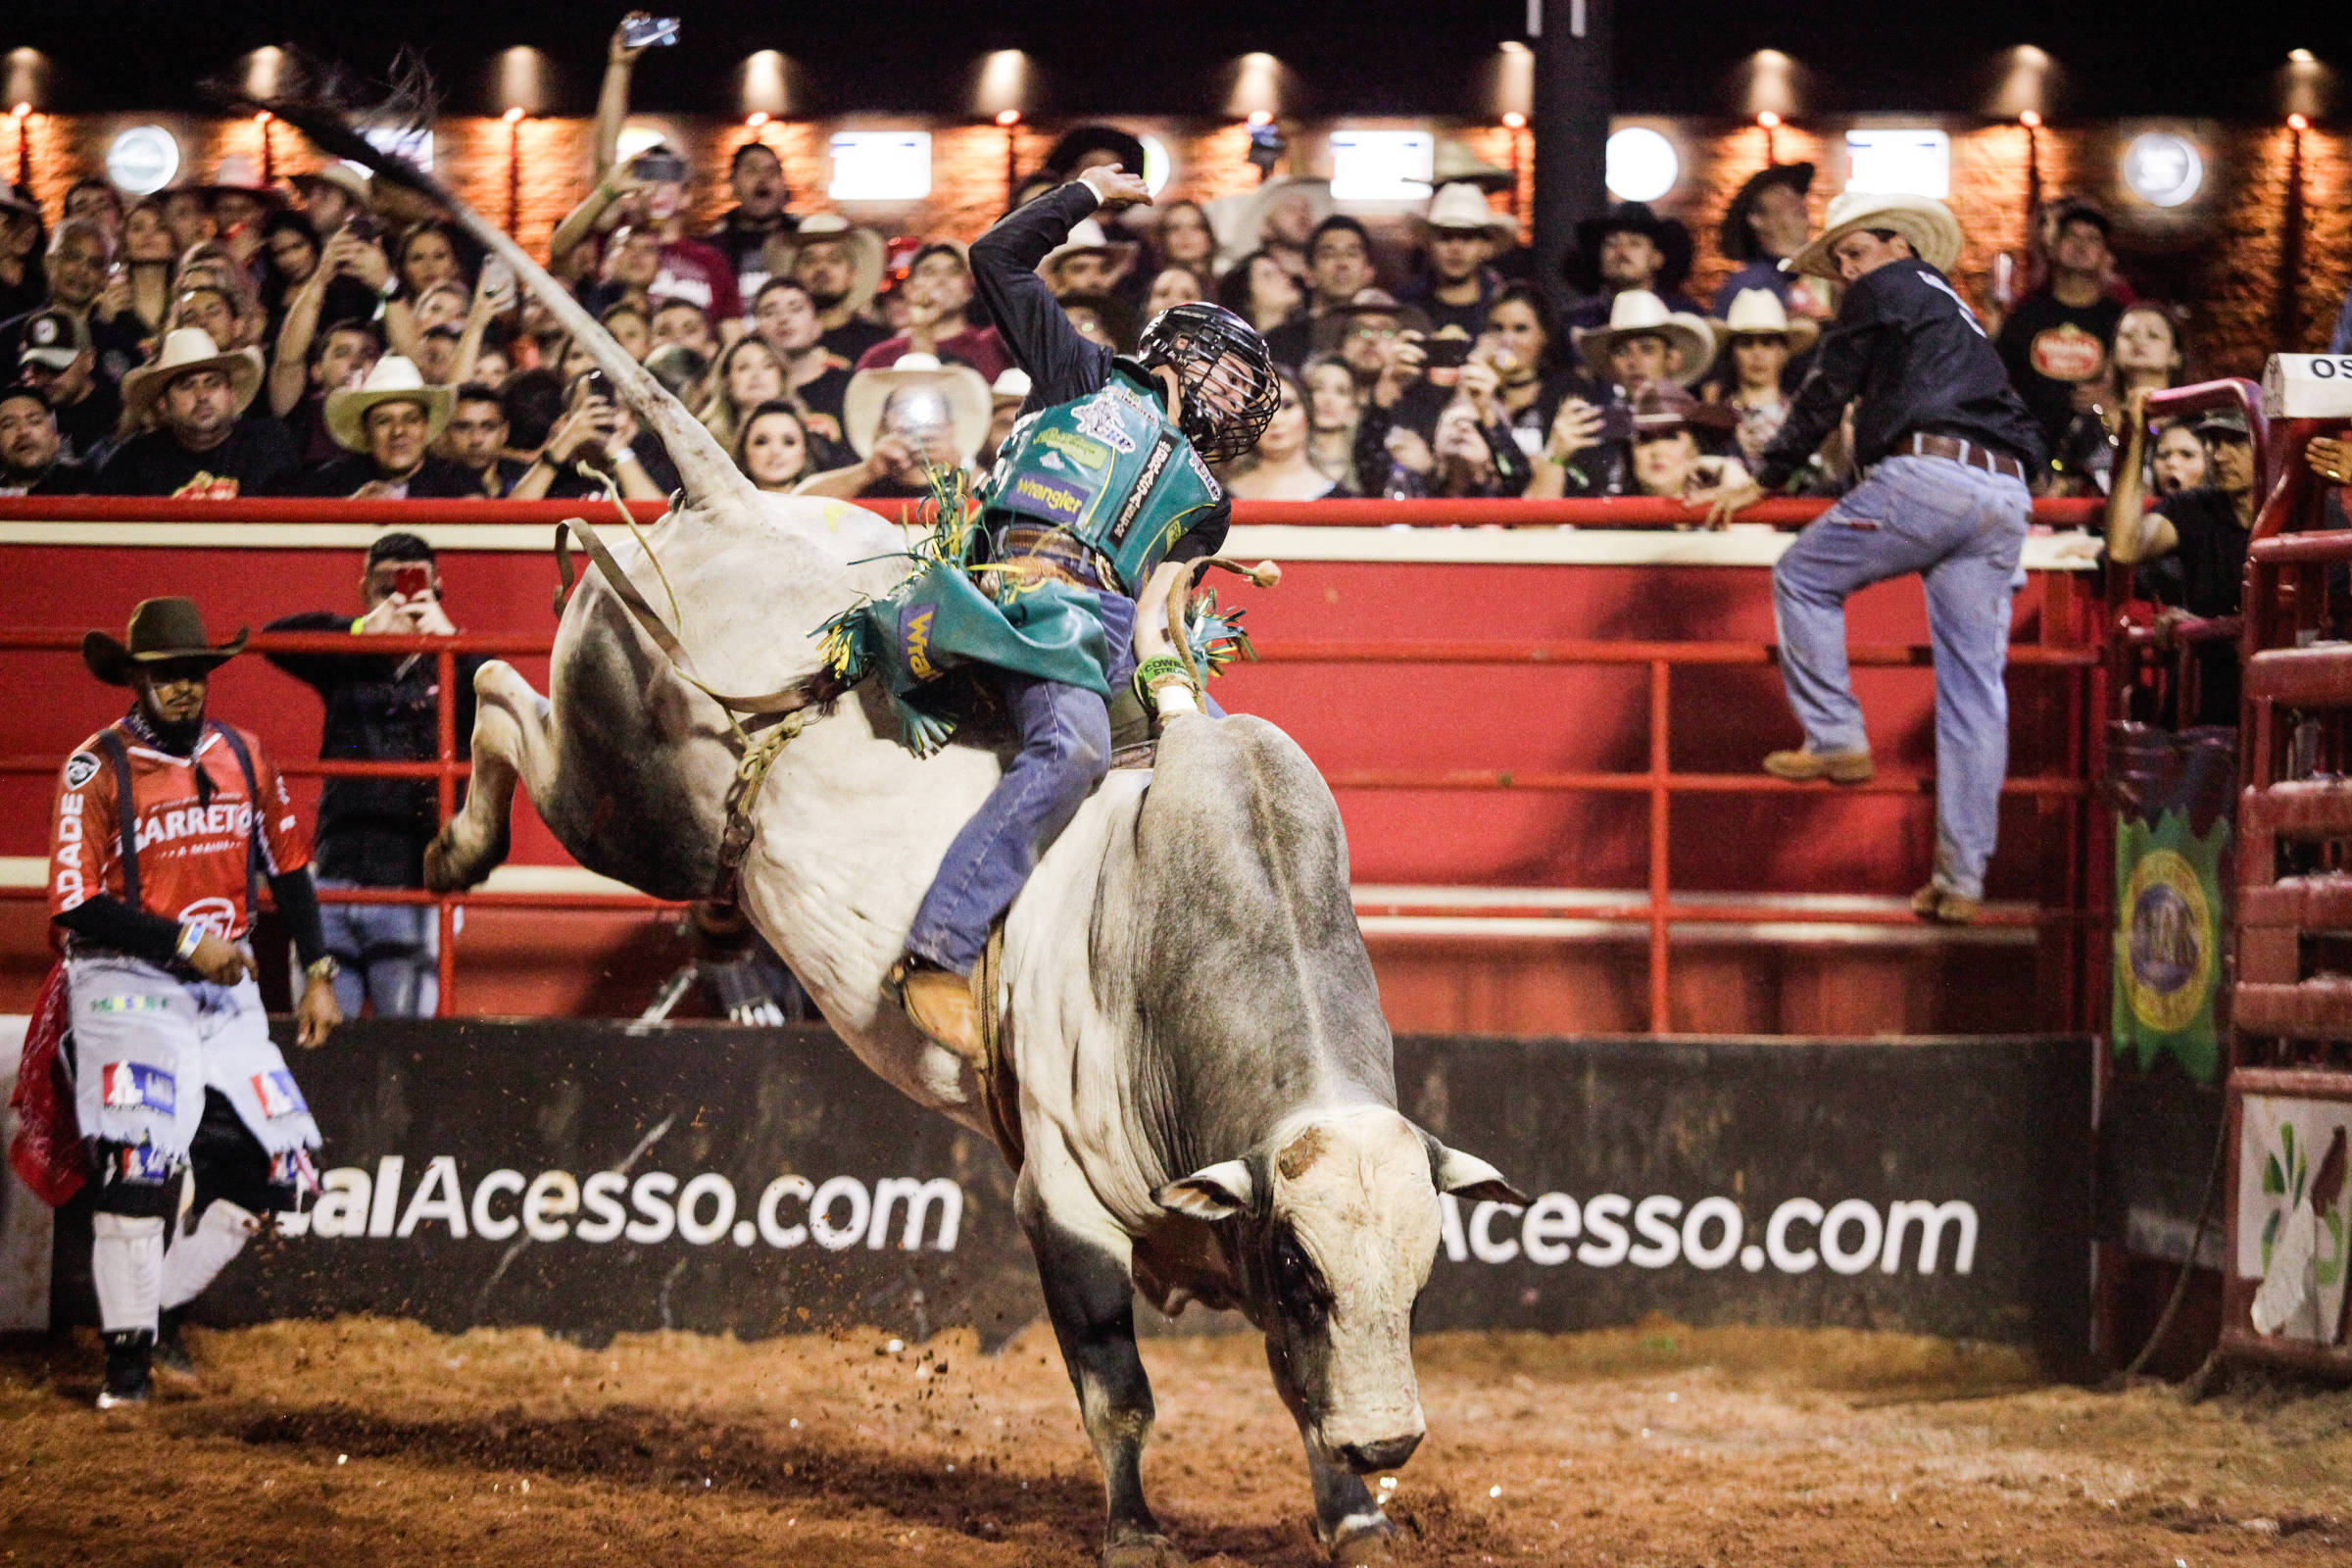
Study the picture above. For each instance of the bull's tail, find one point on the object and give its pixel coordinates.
(711, 476)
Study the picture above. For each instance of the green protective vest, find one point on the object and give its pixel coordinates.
(1109, 468)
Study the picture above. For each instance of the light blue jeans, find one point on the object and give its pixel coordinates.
(388, 953)
(1960, 529)
(1065, 749)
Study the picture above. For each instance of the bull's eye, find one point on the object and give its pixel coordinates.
(1297, 1283)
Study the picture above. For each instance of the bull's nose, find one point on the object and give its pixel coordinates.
(1387, 1455)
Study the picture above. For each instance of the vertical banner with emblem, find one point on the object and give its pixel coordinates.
(2172, 795)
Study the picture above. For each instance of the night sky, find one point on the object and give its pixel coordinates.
(1384, 56)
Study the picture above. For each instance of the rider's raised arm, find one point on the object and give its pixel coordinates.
(1061, 365)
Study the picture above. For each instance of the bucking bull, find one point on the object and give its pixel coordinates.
(1206, 1100)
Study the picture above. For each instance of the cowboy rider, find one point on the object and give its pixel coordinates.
(165, 821)
(1103, 490)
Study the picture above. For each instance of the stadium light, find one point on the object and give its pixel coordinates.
(1257, 94)
(1770, 84)
(2305, 86)
(2026, 79)
(520, 89)
(25, 79)
(1003, 84)
(1512, 89)
(764, 84)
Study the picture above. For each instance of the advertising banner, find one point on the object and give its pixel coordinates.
(600, 1178)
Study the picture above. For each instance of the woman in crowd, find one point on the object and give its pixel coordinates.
(2179, 460)
(1668, 459)
(1281, 469)
(1521, 345)
(98, 201)
(1332, 416)
(427, 255)
(1761, 337)
(289, 256)
(630, 328)
(772, 449)
(442, 305)
(1260, 290)
(140, 294)
(747, 374)
(1176, 284)
(2149, 355)
(23, 280)
(1185, 239)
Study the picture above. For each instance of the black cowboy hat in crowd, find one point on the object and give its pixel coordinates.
(1736, 239)
(161, 631)
(1076, 142)
(1580, 266)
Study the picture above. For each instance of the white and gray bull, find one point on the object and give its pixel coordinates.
(1207, 1094)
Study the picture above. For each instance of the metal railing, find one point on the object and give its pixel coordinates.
(2069, 649)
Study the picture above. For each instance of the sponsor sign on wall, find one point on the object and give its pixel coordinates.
(600, 1178)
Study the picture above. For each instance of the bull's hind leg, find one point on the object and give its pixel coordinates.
(510, 745)
(1090, 1294)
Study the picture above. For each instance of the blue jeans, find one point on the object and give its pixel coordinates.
(1960, 529)
(1065, 749)
(389, 954)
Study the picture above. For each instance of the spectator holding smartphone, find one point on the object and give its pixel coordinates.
(372, 831)
(599, 433)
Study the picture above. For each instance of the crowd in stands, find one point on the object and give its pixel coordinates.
(329, 337)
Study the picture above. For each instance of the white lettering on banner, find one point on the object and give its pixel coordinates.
(387, 1195)
(553, 1192)
(342, 1206)
(918, 1197)
(829, 1235)
(436, 1198)
(1712, 1233)
(772, 1229)
(650, 1197)
(600, 1195)
(701, 1232)
(495, 1227)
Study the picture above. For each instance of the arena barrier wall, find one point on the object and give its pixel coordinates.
(604, 1177)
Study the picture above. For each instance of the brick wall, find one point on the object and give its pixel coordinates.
(2225, 254)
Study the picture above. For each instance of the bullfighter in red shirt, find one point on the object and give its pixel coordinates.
(165, 823)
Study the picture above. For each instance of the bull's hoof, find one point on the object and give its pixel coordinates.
(449, 869)
(1138, 1549)
(1363, 1543)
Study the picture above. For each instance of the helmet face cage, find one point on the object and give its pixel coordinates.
(1194, 340)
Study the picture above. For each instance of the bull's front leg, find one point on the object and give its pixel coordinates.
(510, 747)
(1083, 1262)
(1348, 1517)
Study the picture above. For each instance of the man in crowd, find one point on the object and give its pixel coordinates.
(1945, 447)
(1630, 247)
(165, 822)
(1764, 226)
(372, 831)
(475, 440)
(840, 264)
(31, 451)
(2207, 527)
(58, 359)
(1463, 232)
(756, 178)
(79, 252)
(302, 376)
(204, 445)
(232, 319)
(331, 196)
(1339, 263)
(789, 320)
(939, 321)
(386, 426)
(685, 322)
(1089, 262)
(2057, 339)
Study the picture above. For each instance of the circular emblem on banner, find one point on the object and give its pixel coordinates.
(2067, 353)
(2169, 962)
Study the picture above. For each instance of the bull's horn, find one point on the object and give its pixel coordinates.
(1212, 1192)
(1468, 1176)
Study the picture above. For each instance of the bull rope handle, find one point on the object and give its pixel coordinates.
(1266, 574)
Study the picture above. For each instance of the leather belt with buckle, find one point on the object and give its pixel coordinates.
(1967, 453)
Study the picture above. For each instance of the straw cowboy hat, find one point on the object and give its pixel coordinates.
(1332, 325)
(1759, 312)
(1453, 162)
(352, 182)
(1088, 240)
(867, 251)
(1012, 386)
(187, 350)
(1240, 221)
(1461, 206)
(967, 398)
(1636, 311)
(393, 379)
(1929, 225)
(160, 630)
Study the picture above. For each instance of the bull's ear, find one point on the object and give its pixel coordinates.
(1468, 1176)
(1213, 1191)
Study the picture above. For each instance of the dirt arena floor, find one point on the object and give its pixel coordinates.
(369, 1443)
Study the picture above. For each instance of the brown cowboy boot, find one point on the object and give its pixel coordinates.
(940, 1003)
(1803, 768)
(1939, 907)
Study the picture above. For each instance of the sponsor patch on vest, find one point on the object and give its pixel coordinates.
(1077, 448)
(1097, 419)
(1050, 498)
(141, 1004)
(278, 1094)
(914, 634)
(1142, 491)
(80, 768)
(147, 1165)
(136, 1085)
(1201, 473)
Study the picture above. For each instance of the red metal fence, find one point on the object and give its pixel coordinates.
(2071, 647)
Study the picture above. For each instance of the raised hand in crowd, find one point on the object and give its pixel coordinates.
(1402, 362)
(1118, 188)
(1574, 428)
(2331, 458)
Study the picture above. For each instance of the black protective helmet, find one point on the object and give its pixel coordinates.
(1192, 340)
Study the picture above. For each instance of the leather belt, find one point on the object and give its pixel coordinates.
(1033, 552)
(1919, 444)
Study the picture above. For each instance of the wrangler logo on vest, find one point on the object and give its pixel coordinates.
(915, 631)
(1061, 502)
(1141, 490)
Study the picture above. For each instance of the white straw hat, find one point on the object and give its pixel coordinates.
(1929, 225)
(1636, 311)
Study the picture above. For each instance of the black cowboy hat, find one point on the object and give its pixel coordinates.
(1079, 140)
(162, 630)
(1580, 266)
(1734, 238)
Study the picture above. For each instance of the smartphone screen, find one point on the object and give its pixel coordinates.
(649, 33)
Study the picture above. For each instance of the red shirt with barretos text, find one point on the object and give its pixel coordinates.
(192, 858)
